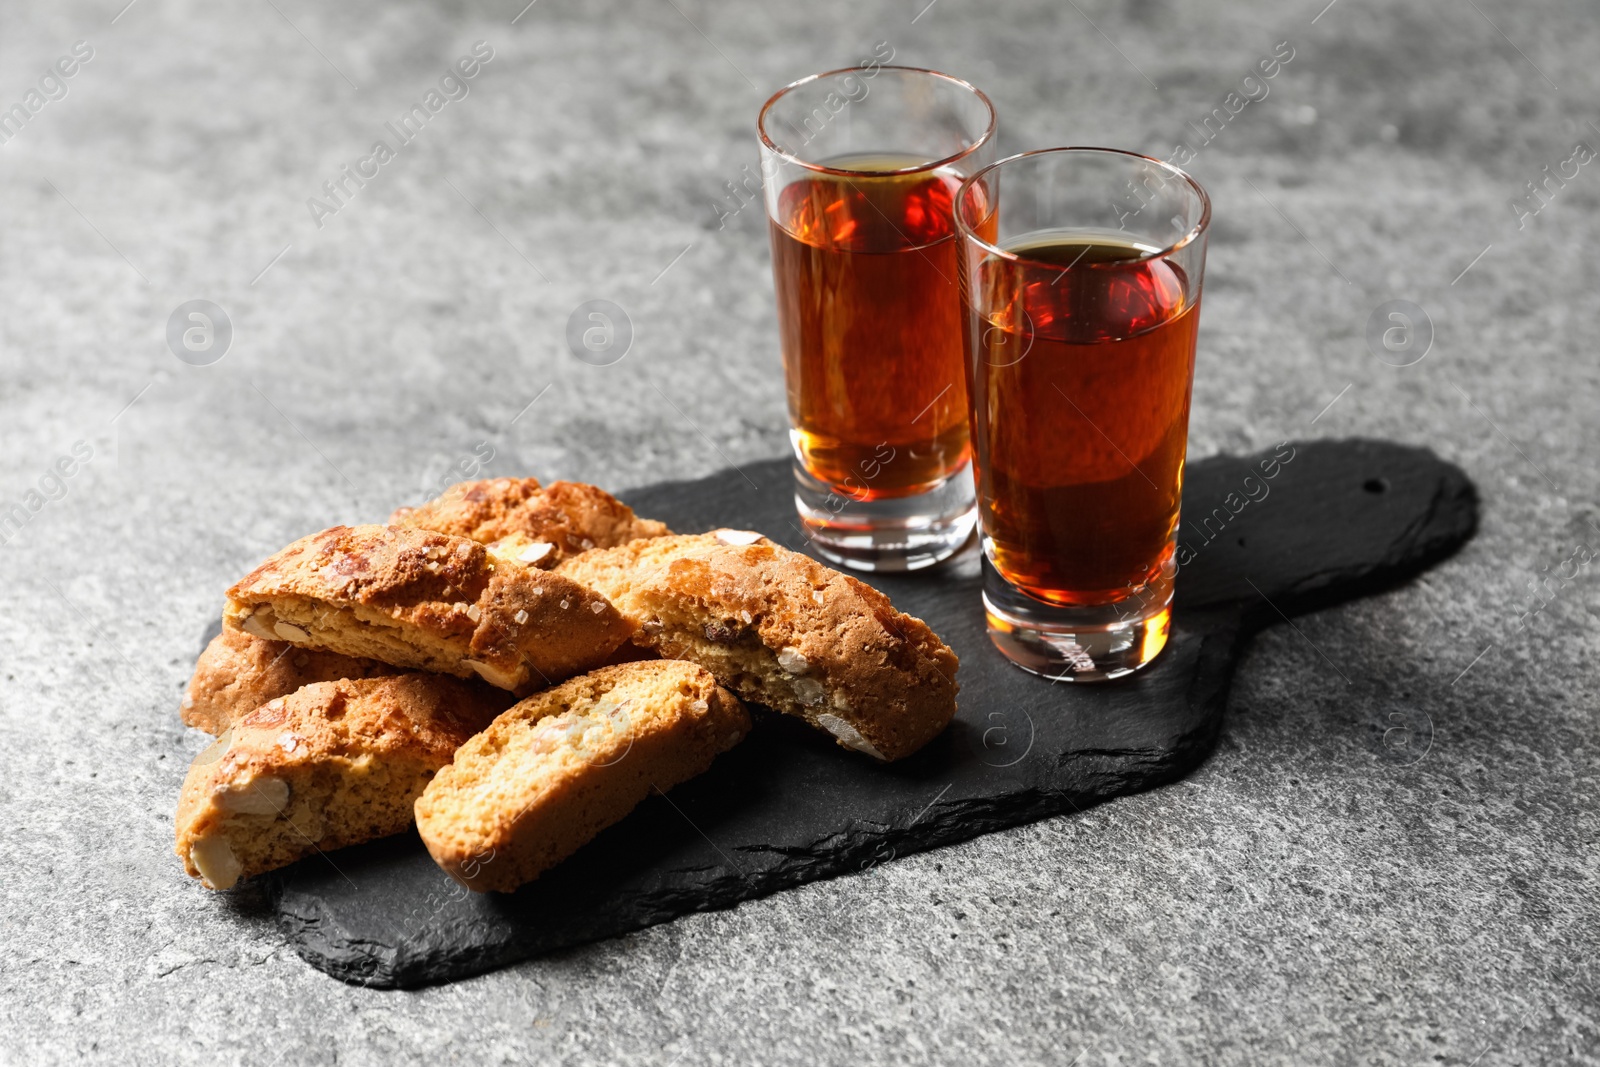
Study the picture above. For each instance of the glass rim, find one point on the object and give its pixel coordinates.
(967, 233)
(771, 146)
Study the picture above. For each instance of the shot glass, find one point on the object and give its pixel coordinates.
(861, 169)
(1080, 276)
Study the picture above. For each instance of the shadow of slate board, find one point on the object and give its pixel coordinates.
(1339, 519)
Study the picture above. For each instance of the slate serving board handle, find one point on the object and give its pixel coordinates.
(1309, 524)
(1298, 527)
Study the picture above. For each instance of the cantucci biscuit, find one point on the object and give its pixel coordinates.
(614, 572)
(543, 524)
(239, 672)
(332, 764)
(553, 771)
(418, 599)
(780, 629)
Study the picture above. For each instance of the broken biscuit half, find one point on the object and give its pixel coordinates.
(330, 765)
(554, 770)
(417, 599)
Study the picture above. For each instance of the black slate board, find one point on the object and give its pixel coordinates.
(1338, 520)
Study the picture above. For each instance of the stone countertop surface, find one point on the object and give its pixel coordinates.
(1390, 859)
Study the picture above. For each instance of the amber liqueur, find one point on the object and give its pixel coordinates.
(870, 320)
(1080, 387)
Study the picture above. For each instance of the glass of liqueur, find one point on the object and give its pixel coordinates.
(1080, 279)
(860, 170)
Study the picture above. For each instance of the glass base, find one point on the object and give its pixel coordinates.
(1087, 644)
(904, 533)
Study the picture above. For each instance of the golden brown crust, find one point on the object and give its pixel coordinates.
(571, 517)
(239, 672)
(781, 629)
(418, 599)
(553, 771)
(332, 764)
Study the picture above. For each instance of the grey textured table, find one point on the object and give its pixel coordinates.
(1391, 857)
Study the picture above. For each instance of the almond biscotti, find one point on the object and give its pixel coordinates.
(418, 599)
(615, 572)
(332, 764)
(546, 524)
(553, 771)
(239, 672)
(781, 629)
